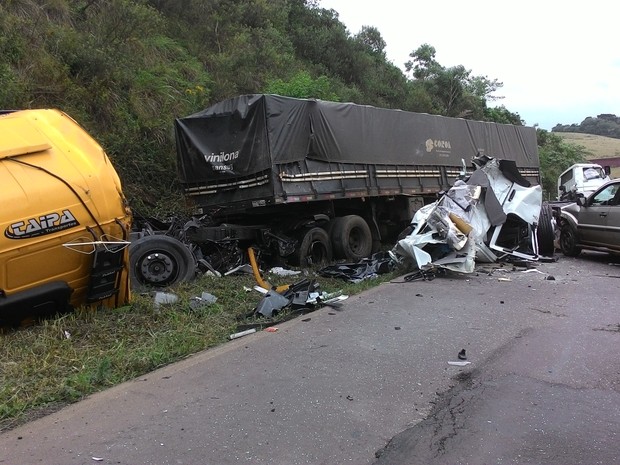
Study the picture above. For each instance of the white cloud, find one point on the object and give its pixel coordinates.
(559, 62)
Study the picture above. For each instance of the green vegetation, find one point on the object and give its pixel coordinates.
(59, 361)
(125, 69)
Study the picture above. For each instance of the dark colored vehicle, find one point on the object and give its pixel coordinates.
(592, 223)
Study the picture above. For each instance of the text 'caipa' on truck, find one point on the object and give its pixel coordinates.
(64, 221)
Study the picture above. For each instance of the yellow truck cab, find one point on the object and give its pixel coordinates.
(64, 222)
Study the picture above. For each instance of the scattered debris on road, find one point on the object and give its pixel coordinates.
(367, 268)
(164, 298)
(491, 216)
(459, 364)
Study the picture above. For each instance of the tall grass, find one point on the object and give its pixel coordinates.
(58, 361)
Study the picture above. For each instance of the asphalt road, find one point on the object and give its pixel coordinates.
(371, 383)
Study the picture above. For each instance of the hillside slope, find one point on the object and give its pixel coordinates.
(596, 146)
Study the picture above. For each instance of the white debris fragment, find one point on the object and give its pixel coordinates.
(247, 269)
(165, 298)
(262, 290)
(532, 270)
(279, 271)
(204, 300)
(459, 363)
(242, 333)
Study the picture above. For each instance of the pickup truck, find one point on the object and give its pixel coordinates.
(592, 222)
(578, 181)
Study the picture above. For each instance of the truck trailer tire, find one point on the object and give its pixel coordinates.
(314, 248)
(351, 238)
(544, 232)
(160, 261)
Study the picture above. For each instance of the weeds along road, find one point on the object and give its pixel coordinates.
(370, 383)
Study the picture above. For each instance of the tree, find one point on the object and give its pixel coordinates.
(453, 91)
(371, 38)
(423, 64)
(606, 124)
(502, 115)
(126, 68)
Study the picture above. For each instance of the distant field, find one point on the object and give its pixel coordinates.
(596, 146)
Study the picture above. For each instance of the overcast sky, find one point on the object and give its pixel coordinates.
(559, 61)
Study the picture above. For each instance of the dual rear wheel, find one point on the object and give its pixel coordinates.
(346, 237)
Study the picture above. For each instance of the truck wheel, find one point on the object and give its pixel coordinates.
(314, 248)
(544, 232)
(160, 261)
(351, 238)
(568, 241)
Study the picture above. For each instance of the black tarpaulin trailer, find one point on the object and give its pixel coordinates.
(268, 149)
(341, 175)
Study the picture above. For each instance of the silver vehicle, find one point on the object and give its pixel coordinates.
(592, 222)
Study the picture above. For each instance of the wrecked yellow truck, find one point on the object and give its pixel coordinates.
(64, 222)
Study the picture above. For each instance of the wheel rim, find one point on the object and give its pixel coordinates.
(156, 268)
(317, 253)
(356, 240)
(567, 241)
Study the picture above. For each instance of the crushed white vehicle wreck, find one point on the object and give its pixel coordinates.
(492, 215)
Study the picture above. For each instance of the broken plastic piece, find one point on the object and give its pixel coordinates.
(242, 333)
(459, 364)
(336, 301)
(165, 298)
(425, 275)
(203, 301)
(279, 271)
(208, 298)
(262, 290)
(247, 269)
(272, 303)
(367, 268)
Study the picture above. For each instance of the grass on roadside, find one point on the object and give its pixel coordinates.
(61, 360)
